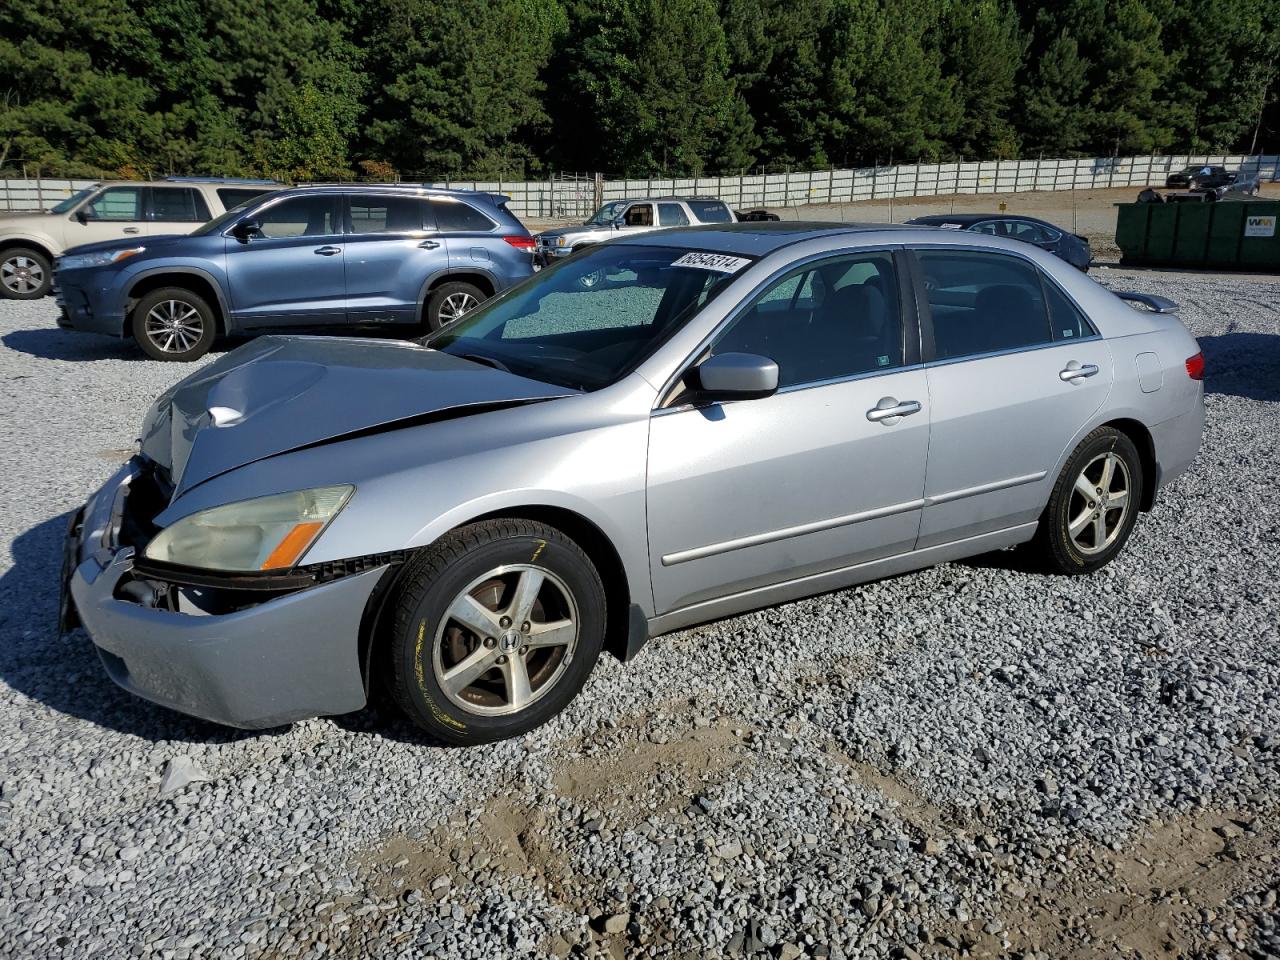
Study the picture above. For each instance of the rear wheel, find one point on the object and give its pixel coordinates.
(173, 323)
(1093, 506)
(25, 274)
(494, 631)
(450, 301)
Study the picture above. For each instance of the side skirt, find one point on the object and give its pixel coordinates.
(838, 579)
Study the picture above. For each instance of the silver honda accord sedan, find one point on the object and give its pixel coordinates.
(659, 431)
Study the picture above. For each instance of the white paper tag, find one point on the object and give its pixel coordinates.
(719, 262)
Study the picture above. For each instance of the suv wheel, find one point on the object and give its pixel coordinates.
(495, 629)
(25, 274)
(174, 323)
(452, 300)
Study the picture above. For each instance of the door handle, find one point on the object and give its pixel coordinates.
(132, 230)
(888, 410)
(429, 244)
(1078, 371)
(327, 251)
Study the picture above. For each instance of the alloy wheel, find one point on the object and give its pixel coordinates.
(174, 326)
(455, 305)
(505, 640)
(22, 275)
(1100, 502)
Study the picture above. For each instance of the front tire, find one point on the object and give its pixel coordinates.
(1093, 506)
(25, 274)
(450, 301)
(173, 323)
(494, 630)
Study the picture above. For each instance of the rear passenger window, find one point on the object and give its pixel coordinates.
(671, 215)
(838, 318)
(382, 214)
(982, 303)
(178, 204)
(1065, 319)
(455, 215)
(710, 211)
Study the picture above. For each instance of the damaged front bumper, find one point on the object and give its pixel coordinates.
(254, 664)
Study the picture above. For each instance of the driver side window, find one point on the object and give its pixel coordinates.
(824, 321)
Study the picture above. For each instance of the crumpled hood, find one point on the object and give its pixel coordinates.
(276, 394)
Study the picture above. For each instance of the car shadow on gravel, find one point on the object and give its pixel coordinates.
(52, 343)
(63, 672)
(1243, 365)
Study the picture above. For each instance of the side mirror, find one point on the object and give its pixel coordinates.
(245, 229)
(620, 221)
(737, 376)
(81, 216)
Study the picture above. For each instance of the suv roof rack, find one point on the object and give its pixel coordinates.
(224, 180)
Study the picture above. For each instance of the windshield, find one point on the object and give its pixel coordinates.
(607, 214)
(217, 223)
(590, 319)
(74, 199)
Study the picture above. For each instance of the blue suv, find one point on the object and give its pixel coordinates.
(347, 256)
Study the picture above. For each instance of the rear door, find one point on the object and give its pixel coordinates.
(1015, 372)
(290, 273)
(391, 251)
(175, 210)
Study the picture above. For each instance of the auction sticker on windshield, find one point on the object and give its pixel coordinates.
(720, 262)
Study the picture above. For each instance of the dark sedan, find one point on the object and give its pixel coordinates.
(1069, 246)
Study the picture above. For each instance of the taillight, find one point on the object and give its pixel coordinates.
(521, 243)
(1195, 367)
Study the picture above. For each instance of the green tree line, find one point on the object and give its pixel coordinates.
(311, 89)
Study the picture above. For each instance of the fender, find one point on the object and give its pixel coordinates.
(223, 306)
(41, 240)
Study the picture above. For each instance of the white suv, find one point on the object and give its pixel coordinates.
(624, 217)
(29, 242)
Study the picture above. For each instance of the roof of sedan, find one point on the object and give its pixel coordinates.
(755, 239)
(968, 219)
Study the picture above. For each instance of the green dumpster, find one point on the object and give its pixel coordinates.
(1230, 234)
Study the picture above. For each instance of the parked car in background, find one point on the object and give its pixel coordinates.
(29, 242)
(627, 217)
(734, 417)
(338, 257)
(1216, 180)
(759, 215)
(1069, 246)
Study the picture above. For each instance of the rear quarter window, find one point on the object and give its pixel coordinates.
(710, 211)
(457, 215)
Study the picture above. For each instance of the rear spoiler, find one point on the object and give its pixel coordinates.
(1149, 300)
(498, 199)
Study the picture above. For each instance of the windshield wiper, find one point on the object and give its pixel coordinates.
(487, 361)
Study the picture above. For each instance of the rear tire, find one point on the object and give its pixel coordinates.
(1093, 506)
(450, 301)
(173, 323)
(494, 630)
(25, 274)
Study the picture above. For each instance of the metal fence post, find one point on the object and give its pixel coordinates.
(39, 191)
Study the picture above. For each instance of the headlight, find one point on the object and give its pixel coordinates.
(560, 241)
(268, 533)
(79, 261)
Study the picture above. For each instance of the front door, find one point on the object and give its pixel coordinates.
(391, 251)
(290, 272)
(1015, 373)
(814, 478)
(116, 213)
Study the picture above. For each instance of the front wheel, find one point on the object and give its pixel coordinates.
(25, 274)
(495, 629)
(173, 323)
(1093, 506)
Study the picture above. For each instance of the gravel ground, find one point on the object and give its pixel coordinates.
(973, 758)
